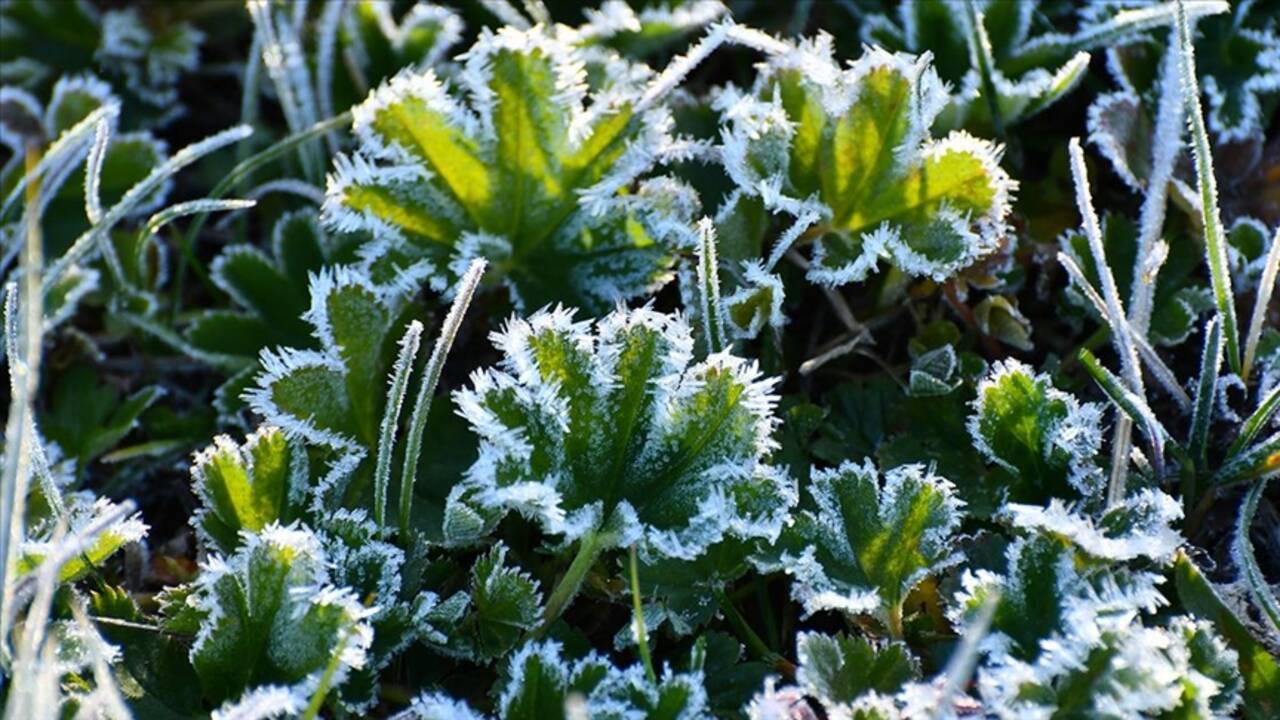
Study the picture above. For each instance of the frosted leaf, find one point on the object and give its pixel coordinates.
(654, 27)
(504, 604)
(1044, 439)
(853, 148)
(437, 706)
(268, 615)
(1238, 64)
(840, 670)
(245, 487)
(144, 60)
(542, 684)
(1029, 72)
(1067, 636)
(528, 163)
(934, 372)
(870, 539)
(82, 511)
(610, 428)
(1138, 527)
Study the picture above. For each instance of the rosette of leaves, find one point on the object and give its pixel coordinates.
(868, 540)
(543, 684)
(145, 57)
(611, 435)
(531, 174)
(1067, 640)
(1237, 62)
(268, 619)
(1041, 441)
(271, 294)
(1179, 298)
(848, 154)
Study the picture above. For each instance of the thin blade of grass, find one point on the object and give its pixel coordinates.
(399, 385)
(430, 378)
(1214, 238)
(1257, 583)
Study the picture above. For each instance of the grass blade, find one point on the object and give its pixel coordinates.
(391, 419)
(1215, 240)
(1266, 286)
(1257, 583)
(1206, 386)
(709, 287)
(430, 378)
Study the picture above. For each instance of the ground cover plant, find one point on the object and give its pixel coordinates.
(654, 359)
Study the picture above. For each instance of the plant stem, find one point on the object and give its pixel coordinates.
(755, 644)
(589, 548)
(895, 621)
(326, 681)
(642, 633)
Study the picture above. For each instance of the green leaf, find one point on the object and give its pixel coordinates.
(323, 395)
(82, 511)
(612, 431)
(505, 605)
(245, 487)
(839, 669)
(87, 417)
(526, 177)
(1042, 439)
(869, 540)
(269, 616)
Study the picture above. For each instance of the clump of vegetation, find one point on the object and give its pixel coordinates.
(660, 359)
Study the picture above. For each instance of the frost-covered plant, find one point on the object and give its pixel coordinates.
(1067, 640)
(528, 172)
(849, 155)
(636, 501)
(1239, 68)
(271, 293)
(608, 434)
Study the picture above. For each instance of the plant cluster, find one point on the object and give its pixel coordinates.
(661, 359)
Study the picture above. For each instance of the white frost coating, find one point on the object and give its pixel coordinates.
(11, 136)
(85, 86)
(437, 706)
(755, 148)
(616, 17)
(818, 587)
(1140, 527)
(1108, 144)
(263, 703)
